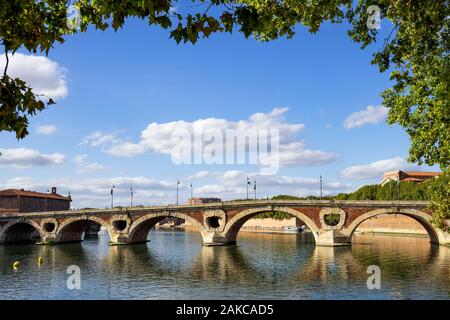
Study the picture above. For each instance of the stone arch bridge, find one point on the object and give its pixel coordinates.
(218, 223)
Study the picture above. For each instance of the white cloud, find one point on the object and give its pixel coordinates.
(227, 185)
(232, 184)
(371, 115)
(47, 129)
(40, 73)
(296, 153)
(157, 137)
(83, 166)
(95, 193)
(200, 174)
(23, 157)
(375, 169)
(98, 139)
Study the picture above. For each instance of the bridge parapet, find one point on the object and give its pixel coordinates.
(226, 205)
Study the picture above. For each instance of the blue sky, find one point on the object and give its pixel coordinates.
(116, 84)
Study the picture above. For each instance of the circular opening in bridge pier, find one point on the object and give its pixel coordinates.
(119, 225)
(213, 222)
(49, 227)
(332, 219)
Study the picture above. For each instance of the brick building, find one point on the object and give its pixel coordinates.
(14, 200)
(203, 200)
(412, 176)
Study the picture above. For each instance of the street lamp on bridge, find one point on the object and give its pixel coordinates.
(321, 187)
(112, 197)
(131, 197)
(178, 183)
(248, 184)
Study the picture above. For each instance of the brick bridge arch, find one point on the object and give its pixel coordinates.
(218, 223)
(20, 231)
(236, 222)
(436, 236)
(140, 228)
(72, 229)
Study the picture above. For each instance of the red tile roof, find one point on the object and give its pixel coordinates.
(24, 193)
(422, 173)
(413, 173)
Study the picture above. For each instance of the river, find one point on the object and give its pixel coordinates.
(173, 265)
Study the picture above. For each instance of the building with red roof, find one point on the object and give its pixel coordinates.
(15, 200)
(412, 176)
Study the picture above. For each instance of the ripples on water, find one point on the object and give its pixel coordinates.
(262, 266)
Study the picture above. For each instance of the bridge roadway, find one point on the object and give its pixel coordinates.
(218, 223)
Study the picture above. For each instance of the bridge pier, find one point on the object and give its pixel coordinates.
(442, 238)
(332, 238)
(214, 238)
(118, 239)
(48, 240)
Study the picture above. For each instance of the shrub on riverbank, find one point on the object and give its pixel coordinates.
(391, 191)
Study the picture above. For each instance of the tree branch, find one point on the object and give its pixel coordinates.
(7, 62)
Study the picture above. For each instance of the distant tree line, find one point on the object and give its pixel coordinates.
(277, 215)
(392, 190)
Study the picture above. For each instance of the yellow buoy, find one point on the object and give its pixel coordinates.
(40, 260)
(16, 265)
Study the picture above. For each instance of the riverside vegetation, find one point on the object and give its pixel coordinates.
(430, 190)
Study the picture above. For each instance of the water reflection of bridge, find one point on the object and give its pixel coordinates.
(258, 263)
(313, 264)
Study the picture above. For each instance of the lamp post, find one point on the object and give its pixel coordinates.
(178, 183)
(321, 187)
(192, 193)
(254, 188)
(131, 197)
(248, 183)
(112, 197)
